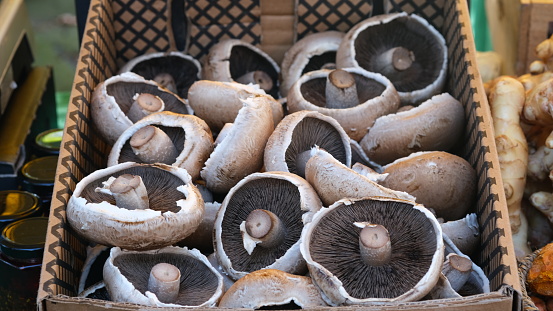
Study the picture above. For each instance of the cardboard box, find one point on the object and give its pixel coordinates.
(536, 25)
(122, 29)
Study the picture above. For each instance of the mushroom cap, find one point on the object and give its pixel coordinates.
(310, 53)
(231, 58)
(240, 153)
(202, 238)
(334, 181)
(439, 180)
(190, 135)
(343, 277)
(286, 195)
(126, 277)
(300, 131)
(113, 97)
(184, 68)
(176, 208)
(377, 97)
(271, 287)
(218, 103)
(435, 125)
(375, 35)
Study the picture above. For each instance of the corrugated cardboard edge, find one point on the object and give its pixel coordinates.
(52, 297)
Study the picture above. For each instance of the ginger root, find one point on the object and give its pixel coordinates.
(506, 98)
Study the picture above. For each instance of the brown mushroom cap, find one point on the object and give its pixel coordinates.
(330, 246)
(300, 131)
(230, 59)
(435, 125)
(286, 195)
(313, 52)
(126, 277)
(334, 181)
(271, 287)
(182, 68)
(364, 44)
(218, 103)
(113, 97)
(189, 134)
(377, 97)
(439, 180)
(240, 153)
(176, 208)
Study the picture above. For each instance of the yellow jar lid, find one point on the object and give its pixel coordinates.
(40, 170)
(15, 204)
(50, 139)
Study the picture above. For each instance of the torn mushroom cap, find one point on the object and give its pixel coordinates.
(439, 180)
(313, 52)
(330, 246)
(334, 181)
(234, 60)
(173, 70)
(272, 287)
(240, 153)
(126, 275)
(297, 133)
(114, 97)
(376, 96)
(405, 48)
(289, 198)
(435, 125)
(218, 103)
(175, 208)
(188, 136)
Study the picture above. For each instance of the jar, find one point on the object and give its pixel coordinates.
(21, 250)
(38, 176)
(16, 205)
(48, 143)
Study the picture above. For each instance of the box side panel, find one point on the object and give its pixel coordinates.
(539, 17)
(432, 11)
(81, 153)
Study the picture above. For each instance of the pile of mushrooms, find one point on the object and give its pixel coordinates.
(217, 179)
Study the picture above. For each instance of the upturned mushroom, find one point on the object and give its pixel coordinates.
(235, 60)
(218, 103)
(352, 96)
(166, 277)
(136, 206)
(290, 144)
(176, 71)
(260, 221)
(122, 100)
(435, 125)
(272, 287)
(334, 181)
(176, 139)
(239, 152)
(313, 52)
(441, 181)
(373, 250)
(404, 48)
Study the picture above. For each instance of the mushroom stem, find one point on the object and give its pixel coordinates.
(457, 270)
(129, 192)
(164, 282)
(374, 244)
(395, 59)
(257, 77)
(153, 145)
(464, 233)
(167, 81)
(144, 104)
(341, 91)
(264, 228)
(301, 162)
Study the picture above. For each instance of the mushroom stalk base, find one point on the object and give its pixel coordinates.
(164, 282)
(129, 192)
(144, 104)
(394, 60)
(258, 77)
(262, 227)
(341, 91)
(167, 81)
(152, 145)
(374, 244)
(457, 270)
